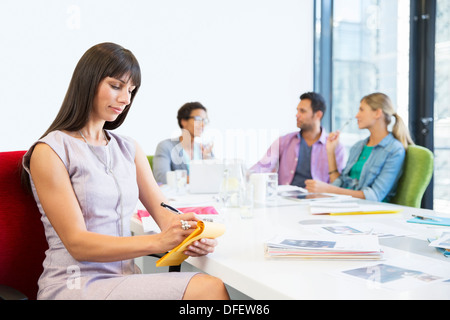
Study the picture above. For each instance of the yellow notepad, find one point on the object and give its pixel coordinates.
(204, 229)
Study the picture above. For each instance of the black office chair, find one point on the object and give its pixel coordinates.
(171, 268)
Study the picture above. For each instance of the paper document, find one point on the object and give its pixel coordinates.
(287, 188)
(382, 231)
(204, 229)
(442, 242)
(401, 277)
(146, 221)
(298, 195)
(207, 213)
(361, 247)
(349, 208)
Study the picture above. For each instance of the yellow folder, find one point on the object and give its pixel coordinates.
(204, 229)
(363, 212)
(337, 209)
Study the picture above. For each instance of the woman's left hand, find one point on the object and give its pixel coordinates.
(201, 247)
(315, 186)
(332, 141)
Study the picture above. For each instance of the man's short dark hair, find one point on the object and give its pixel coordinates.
(185, 111)
(317, 101)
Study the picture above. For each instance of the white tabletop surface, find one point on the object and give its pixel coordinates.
(240, 262)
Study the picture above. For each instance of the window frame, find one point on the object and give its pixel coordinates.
(421, 73)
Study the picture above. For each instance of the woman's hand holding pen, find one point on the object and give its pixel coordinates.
(175, 233)
(172, 234)
(332, 141)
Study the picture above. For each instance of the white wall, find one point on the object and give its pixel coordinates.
(247, 61)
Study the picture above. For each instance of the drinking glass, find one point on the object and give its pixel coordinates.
(181, 181)
(246, 201)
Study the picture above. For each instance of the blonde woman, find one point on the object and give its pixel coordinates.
(375, 164)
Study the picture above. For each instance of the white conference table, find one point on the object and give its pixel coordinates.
(240, 262)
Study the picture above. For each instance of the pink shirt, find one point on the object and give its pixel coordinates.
(282, 157)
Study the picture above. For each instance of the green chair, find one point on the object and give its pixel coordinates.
(417, 173)
(150, 160)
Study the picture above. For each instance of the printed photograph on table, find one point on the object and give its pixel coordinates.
(309, 243)
(342, 230)
(383, 273)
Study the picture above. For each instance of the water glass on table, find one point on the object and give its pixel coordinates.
(246, 196)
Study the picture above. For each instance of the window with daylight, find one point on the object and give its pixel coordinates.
(401, 48)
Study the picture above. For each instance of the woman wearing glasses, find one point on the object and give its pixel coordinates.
(176, 154)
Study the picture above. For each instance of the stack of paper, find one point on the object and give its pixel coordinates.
(361, 247)
(442, 244)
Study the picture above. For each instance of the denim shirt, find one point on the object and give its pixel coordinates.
(381, 171)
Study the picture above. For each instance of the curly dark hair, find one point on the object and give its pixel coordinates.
(185, 111)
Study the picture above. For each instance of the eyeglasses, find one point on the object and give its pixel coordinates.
(198, 118)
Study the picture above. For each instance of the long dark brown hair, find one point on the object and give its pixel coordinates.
(100, 61)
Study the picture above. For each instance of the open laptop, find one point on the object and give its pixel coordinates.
(205, 176)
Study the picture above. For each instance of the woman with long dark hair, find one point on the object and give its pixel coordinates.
(87, 181)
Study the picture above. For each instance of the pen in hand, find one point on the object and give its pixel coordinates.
(345, 124)
(425, 218)
(171, 208)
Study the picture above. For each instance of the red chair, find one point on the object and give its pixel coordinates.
(22, 238)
